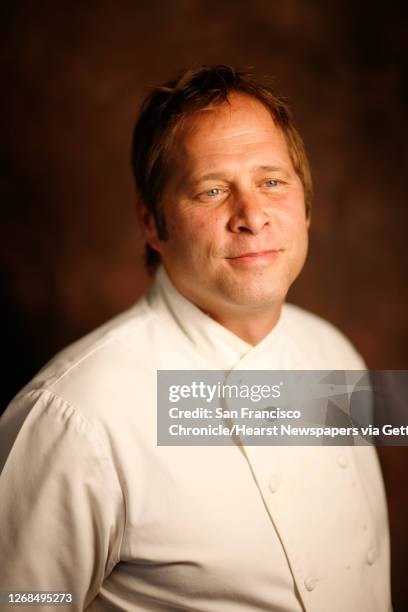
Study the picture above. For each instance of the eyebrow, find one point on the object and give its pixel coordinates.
(273, 169)
(221, 175)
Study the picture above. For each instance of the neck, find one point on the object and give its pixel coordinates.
(253, 327)
(251, 323)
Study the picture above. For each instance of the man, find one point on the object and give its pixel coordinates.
(90, 503)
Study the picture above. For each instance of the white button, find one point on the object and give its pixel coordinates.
(370, 556)
(273, 484)
(310, 583)
(342, 461)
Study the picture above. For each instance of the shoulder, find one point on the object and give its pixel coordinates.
(99, 372)
(317, 342)
(123, 334)
(94, 391)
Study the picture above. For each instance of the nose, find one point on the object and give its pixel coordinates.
(249, 214)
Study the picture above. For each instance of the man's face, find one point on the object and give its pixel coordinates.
(234, 211)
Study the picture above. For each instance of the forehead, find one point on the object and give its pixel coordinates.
(240, 126)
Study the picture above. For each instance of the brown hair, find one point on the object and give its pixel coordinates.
(163, 112)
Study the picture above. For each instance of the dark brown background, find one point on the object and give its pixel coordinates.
(73, 75)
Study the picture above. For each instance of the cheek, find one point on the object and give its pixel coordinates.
(178, 226)
(190, 236)
(301, 237)
(295, 233)
(206, 226)
(292, 222)
(199, 225)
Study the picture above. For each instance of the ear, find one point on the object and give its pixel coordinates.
(147, 224)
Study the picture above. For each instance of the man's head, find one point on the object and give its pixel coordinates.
(163, 114)
(224, 188)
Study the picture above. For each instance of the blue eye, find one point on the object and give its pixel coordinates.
(272, 183)
(212, 192)
(215, 193)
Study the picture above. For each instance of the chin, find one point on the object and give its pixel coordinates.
(256, 297)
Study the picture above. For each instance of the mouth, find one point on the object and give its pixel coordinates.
(255, 256)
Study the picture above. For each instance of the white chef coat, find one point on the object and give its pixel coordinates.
(90, 504)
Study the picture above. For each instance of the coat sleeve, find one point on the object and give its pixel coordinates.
(61, 505)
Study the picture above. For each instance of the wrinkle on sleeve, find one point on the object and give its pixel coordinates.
(61, 505)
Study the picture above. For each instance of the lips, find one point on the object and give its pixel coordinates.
(250, 259)
(255, 254)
